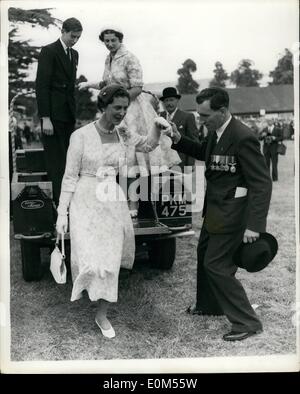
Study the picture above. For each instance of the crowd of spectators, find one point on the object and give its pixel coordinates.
(259, 124)
(26, 134)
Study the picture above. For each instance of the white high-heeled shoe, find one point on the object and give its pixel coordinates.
(109, 333)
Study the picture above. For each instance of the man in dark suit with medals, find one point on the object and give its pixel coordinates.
(55, 94)
(235, 210)
(185, 122)
(271, 135)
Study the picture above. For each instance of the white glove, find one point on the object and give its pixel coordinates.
(175, 133)
(83, 85)
(102, 84)
(62, 224)
(163, 125)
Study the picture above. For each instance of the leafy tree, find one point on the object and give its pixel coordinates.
(220, 77)
(284, 71)
(245, 75)
(86, 108)
(186, 83)
(21, 54)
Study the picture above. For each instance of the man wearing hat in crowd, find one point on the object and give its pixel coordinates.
(184, 121)
(235, 210)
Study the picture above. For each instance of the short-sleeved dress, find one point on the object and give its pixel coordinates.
(101, 231)
(124, 68)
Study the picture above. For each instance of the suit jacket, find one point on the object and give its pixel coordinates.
(272, 146)
(225, 213)
(186, 126)
(55, 83)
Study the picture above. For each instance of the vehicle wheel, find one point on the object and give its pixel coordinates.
(162, 253)
(31, 261)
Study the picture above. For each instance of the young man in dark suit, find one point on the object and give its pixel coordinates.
(184, 121)
(55, 94)
(271, 135)
(235, 209)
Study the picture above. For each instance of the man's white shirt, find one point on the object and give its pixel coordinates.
(221, 130)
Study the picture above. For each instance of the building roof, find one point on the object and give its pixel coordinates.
(250, 100)
(157, 87)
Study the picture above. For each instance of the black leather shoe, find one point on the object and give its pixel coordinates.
(239, 336)
(192, 310)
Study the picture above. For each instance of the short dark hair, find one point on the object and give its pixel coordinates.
(217, 97)
(118, 34)
(72, 24)
(104, 100)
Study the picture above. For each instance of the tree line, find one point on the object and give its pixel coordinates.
(243, 76)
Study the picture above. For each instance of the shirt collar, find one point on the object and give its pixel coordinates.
(221, 130)
(171, 115)
(63, 45)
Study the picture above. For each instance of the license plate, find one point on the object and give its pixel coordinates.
(171, 206)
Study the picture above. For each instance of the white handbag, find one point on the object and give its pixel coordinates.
(57, 262)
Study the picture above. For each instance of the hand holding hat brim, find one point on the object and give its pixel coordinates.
(254, 257)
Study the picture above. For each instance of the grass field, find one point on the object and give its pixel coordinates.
(149, 318)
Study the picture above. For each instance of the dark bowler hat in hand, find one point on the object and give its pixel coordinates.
(169, 92)
(255, 256)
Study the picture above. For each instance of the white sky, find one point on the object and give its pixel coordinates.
(162, 34)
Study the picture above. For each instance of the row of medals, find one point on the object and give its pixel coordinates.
(223, 163)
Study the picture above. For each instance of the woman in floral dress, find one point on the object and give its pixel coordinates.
(122, 67)
(101, 230)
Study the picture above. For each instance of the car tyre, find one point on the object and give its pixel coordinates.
(31, 261)
(162, 253)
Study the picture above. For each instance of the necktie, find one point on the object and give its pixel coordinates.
(213, 141)
(211, 146)
(69, 54)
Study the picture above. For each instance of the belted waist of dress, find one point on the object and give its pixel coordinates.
(87, 174)
(93, 175)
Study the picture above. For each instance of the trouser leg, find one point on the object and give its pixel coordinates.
(55, 151)
(227, 289)
(206, 300)
(275, 166)
(268, 158)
